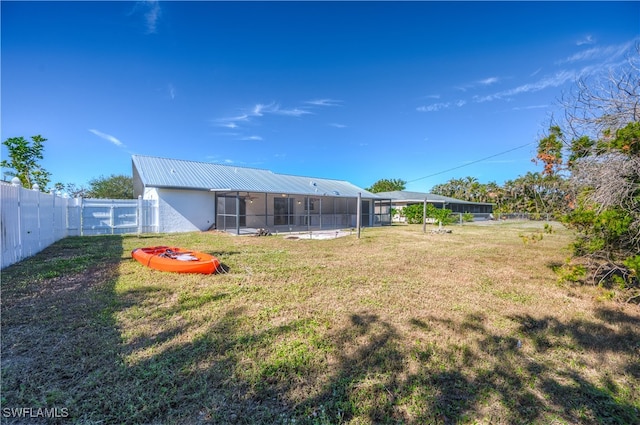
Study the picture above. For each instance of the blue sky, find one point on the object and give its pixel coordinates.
(357, 91)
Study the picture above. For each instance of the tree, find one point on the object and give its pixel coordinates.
(75, 191)
(465, 189)
(534, 193)
(24, 160)
(386, 185)
(602, 120)
(550, 151)
(112, 187)
(469, 189)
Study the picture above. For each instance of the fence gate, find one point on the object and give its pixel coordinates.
(114, 217)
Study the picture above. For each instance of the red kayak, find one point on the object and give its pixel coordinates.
(174, 259)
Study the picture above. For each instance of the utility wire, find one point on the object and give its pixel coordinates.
(472, 162)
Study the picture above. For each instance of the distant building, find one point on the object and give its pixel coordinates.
(401, 199)
(204, 196)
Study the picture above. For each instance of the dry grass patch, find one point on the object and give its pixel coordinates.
(396, 327)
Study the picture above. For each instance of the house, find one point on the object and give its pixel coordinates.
(195, 196)
(401, 198)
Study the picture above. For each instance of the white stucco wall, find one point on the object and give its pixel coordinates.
(183, 210)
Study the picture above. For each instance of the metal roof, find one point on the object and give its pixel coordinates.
(402, 195)
(183, 174)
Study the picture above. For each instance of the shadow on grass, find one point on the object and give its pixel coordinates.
(59, 339)
(491, 379)
(62, 347)
(531, 388)
(223, 268)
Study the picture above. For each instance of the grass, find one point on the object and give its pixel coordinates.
(398, 326)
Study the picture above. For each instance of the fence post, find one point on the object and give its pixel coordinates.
(69, 217)
(67, 222)
(36, 188)
(139, 215)
(53, 217)
(15, 182)
(156, 213)
(111, 217)
(81, 209)
(77, 204)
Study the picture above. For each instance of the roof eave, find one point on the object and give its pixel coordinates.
(231, 190)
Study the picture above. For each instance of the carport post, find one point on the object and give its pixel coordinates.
(237, 213)
(424, 216)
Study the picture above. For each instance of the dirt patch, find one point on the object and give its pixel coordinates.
(328, 234)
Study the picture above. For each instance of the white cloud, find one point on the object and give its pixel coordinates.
(488, 81)
(526, 108)
(555, 80)
(243, 117)
(536, 72)
(431, 108)
(260, 110)
(584, 55)
(598, 59)
(228, 134)
(485, 82)
(601, 58)
(324, 102)
(172, 91)
(294, 112)
(231, 122)
(273, 108)
(107, 137)
(587, 40)
(434, 107)
(606, 54)
(152, 15)
(336, 125)
(252, 138)
(150, 10)
(257, 110)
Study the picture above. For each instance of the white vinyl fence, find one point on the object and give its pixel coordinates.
(31, 220)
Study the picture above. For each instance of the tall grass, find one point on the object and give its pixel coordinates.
(398, 326)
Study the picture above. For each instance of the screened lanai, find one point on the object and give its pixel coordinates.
(247, 212)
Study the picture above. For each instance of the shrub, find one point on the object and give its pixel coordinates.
(415, 212)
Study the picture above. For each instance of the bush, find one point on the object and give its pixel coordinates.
(571, 273)
(415, 212)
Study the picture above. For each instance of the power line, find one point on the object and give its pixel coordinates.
(472, 162)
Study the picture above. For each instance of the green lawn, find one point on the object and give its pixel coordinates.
(398, 326)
